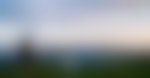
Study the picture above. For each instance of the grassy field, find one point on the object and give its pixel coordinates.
(121, 69)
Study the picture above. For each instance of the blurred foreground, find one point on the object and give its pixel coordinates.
(80, 65)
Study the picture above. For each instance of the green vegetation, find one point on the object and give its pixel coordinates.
(121, 69)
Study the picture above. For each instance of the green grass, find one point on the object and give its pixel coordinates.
(122, 69)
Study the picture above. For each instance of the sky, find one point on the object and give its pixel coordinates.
(69, 22)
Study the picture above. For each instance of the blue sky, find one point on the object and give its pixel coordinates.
(78, 21)
(7, 8)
